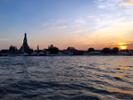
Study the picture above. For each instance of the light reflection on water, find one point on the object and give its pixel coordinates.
(66, 78)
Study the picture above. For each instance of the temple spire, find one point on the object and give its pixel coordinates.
(25, 39)
(25, 36)
(25, 47)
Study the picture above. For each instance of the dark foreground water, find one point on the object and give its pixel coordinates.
(66, 78)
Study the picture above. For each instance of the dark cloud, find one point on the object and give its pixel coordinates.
(130, 44)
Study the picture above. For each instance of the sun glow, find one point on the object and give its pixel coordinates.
(130, 1)
(122, 46)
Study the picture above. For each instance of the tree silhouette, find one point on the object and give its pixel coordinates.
(13, 49)
(91, 50)
(52, 49)
(106, 50)
(115, 50)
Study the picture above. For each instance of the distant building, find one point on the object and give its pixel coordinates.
(25, 47)
(4, 52)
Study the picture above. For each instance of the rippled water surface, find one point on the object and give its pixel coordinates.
(66, 78)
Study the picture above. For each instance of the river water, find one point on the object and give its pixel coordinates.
(66, 78)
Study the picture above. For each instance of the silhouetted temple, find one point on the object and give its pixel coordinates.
(25, 47)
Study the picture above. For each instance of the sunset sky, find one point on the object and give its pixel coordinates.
(78, 23)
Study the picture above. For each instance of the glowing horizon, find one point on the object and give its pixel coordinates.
(63, 23)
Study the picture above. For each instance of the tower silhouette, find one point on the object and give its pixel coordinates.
(25, 47)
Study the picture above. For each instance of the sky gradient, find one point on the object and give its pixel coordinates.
(78, 23)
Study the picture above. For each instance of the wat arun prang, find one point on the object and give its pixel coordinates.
(25, 47)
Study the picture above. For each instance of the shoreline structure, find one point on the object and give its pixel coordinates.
(25, 50)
